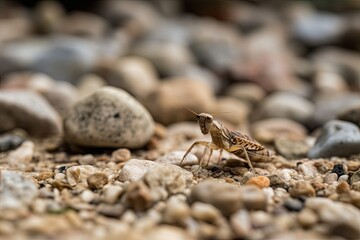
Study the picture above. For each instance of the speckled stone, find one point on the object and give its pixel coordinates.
(337, 138)
(110, 117)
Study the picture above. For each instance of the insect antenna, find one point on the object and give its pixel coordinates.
(191, 111)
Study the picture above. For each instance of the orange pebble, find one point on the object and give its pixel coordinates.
(260, 181)
(342, 187)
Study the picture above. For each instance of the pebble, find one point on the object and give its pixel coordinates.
(168, 57)
(97, 181)
(338, 169)
(342, 218)
(41, 119)
(343, 178)
(138, 196)
(248, 92)
(329, 82)
(308, 169)
(201, 74)
(351, 114)
(141, 16)
(167, 177)
(134, 74)
(48, 15)
(307, 218)
(260, 181)
(135, 169)
(328, 108)
(175, 158)
(10, 142)
(318, 28)
(110, 210)
(253, 198)
(260, 219)
(110, 117)
(23, 154)
(291, 149)
(238, 111)
(302, 189)
(60, 95)
(87, 196)
(121, 155)
(205, 212)
(269, 130)
(17, 191)
(176, 212)
(168, 232)
(87, 159)
(79, 174)
(286, 105)
(240, 222)
(169, 101)
(355, 177)
(293, 204)
(343, 187)
(337, 138)
(83, 24)
(111, 193)
(224, 196)
(330, 178)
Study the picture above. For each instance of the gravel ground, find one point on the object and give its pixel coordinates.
(94, 120)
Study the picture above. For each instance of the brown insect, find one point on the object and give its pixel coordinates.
(224, 139)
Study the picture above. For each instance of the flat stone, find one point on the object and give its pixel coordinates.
(110, 117)
(337, 138)
(27, 110)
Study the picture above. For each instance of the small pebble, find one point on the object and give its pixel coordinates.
(121, 155)
(330, 178)
(87, 159)
(307, 218)
(293, 204)
(302, 189)
(10, 142)
(342, 187)
(338, 169)
(260, 181)
(97, 181)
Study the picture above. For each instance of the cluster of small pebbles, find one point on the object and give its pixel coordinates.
(94, 119)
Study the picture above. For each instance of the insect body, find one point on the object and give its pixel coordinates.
(224, 139)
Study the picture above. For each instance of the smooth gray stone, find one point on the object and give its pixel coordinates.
(337, 138)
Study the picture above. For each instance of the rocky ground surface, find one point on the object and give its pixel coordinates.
(94, 121)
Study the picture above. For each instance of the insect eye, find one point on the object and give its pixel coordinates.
(197, 117)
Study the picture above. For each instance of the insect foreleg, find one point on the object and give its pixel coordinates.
(210, 145)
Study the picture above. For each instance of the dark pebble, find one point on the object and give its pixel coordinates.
(338, 169)
(10, 142)
(294, 205)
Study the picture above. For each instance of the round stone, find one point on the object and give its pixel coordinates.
(110, 117)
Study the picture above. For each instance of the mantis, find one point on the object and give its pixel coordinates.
(224, 139)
